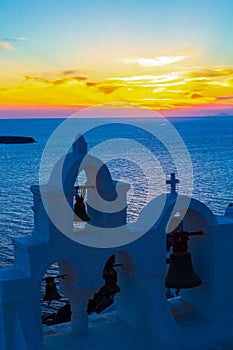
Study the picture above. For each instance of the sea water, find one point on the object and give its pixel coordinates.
(209, 141)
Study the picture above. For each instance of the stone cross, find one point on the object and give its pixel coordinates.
(173, 181)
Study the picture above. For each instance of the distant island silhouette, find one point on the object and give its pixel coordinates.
(223, 114)
(16, 139)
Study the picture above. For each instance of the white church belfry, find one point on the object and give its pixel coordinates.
(143, 316)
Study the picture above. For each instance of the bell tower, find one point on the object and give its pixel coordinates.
(143, 317)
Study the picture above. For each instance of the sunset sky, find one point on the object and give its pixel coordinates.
(173, 56)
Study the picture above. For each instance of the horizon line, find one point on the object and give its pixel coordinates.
(63, 112)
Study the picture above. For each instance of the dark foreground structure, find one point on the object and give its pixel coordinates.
(16, 139)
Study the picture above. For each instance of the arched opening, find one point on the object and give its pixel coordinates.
(55, 306)
(187, 220)
(138, 195)
(80, 217)
(98, 201)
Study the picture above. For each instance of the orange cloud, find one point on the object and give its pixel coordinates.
(54, 82)
(222, 98)
(196, 96)
(6, 47)
(79, 78)
(69, 72)
(211, 73)
(90, 83)
(5, 43)
(108, 89)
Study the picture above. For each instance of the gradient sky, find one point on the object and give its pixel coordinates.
(174, 56)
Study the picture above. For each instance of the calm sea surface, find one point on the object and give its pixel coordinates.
(209, 141)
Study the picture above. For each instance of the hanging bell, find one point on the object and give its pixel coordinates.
(110, 276)
(110, 287)
(51, 292)
(181, 273)
(80, 213)
(105, 296)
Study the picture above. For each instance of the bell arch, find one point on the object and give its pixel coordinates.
(102, 190)
(195, 209)
(70, 165)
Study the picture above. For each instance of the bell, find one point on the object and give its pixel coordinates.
(51, 292)
(105, 296)
(110, 276)
(110, 287)
(181, 274)
(80, 209)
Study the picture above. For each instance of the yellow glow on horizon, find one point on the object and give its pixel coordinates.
(163, 83)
